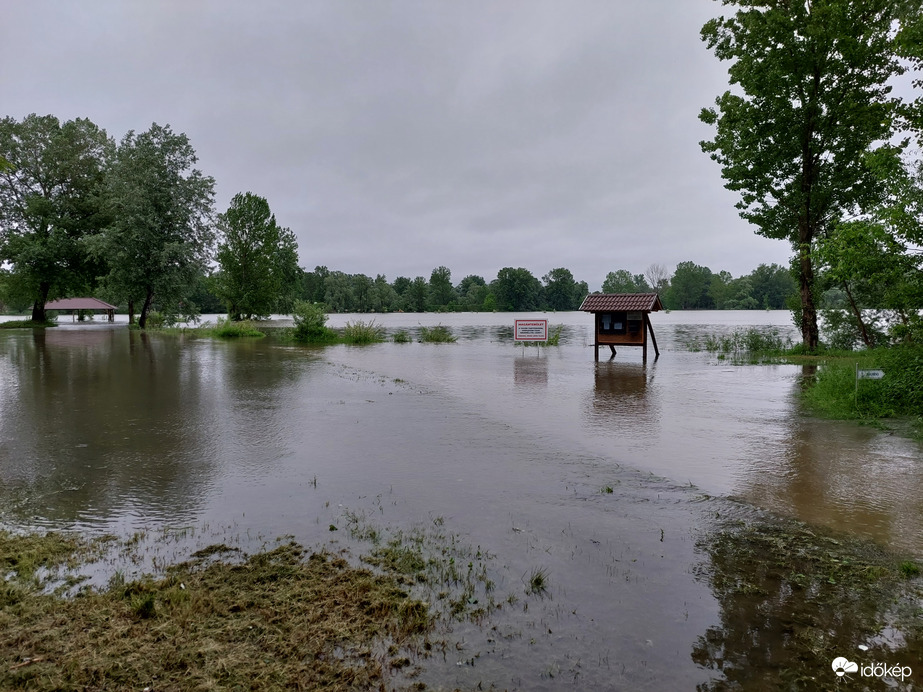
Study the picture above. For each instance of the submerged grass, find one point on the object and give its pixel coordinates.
(362, 333)
(801, 598)
(439, 334)
(279, 619)
(27, 324)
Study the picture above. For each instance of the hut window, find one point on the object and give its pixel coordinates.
(612, 322)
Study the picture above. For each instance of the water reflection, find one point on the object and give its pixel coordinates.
(623, 401)
(530, 371)
(106, 425)
(791, 601)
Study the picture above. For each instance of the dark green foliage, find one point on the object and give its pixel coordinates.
(160, 237)
(441, 291)
(310, 324)
(561, 291)
(258, 260)
(50, 201)
(623, 281)
(517, 290)
(809, 135)
(690, 288)
(837, 394)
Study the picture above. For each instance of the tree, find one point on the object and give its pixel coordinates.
(658, 278)
(416, 294)
(562, 292)
(441, 291)
(623, 281)
(516, 290)
(809, 138)
(258, 260)
(50, 200)
(472, 290)
(690, 288)
(161, 234)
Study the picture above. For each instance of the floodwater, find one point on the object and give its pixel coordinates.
(603, 476)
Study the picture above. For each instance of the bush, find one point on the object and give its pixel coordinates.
(900, 393)
(310, 324)
(437, 335)
(401, 337)
(362, 333)
(226, 329)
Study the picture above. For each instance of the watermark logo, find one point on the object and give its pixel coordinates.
(841, 666)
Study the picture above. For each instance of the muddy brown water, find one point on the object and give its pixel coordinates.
(513, 449)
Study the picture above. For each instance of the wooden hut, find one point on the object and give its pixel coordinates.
(621, 319)
(76, 304)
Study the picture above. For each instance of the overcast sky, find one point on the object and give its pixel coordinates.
(394, 137)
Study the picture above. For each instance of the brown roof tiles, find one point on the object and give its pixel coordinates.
(621, 302)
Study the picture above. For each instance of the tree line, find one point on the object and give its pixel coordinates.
(133, 222)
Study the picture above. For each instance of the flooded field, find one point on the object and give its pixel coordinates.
(614, 482)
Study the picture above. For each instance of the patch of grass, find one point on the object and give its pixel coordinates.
(836, 394)
(226, 329)
(537, 582)
(909, 569)
(362, 333)
(27, 324)
(439, 334)
(800, 598)
(280, 619)
(750, 342)
(402, 336)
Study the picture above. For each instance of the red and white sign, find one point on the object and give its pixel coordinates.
(531, 330)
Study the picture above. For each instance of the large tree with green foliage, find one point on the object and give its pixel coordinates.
(161, 234)
(562, 291)
(258, 259)
(516, 290)
(50, 200)
(623, 281)
(809, 135)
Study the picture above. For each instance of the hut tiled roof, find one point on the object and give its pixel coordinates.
(78, 304)
(621, 302)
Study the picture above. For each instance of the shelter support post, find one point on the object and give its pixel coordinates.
(650, 328)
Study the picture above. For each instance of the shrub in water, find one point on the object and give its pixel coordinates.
(227, 329)
(438, 334)
(401, 337)
(310, 324)
(362, 333)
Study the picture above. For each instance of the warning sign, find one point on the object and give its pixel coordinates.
(530, 330)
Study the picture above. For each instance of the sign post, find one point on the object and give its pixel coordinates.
(866, 375)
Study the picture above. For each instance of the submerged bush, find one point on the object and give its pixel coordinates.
(363, 333)
(226, 329)
(401, 337)
(437, 335)
(310, 324)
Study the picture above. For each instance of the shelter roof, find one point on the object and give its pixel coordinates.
(78, 304)
(621, 302)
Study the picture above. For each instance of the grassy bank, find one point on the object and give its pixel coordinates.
(279, 619)
(27, 324)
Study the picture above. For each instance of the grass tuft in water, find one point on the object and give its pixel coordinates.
(226, 329)
(439, 334)
(401, 336)
(537, 583)
(362, 333)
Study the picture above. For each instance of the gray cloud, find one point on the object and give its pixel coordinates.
(393, 137)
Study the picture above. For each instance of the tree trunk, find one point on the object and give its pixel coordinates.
(148, 299)
(866, 337)
(810, 336)
(38, 307)
(131, 311)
